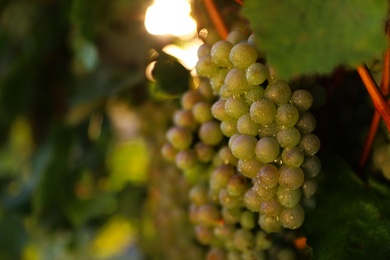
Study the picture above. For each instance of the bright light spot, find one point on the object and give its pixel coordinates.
(170, 17)
(186, 54)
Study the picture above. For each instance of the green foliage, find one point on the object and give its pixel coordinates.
(307, 37)
(351, 219)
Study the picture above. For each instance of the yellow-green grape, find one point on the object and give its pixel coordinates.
(278, 92)
(189, 99)
(216, 253)
(306, 122)
(263, 111)
(235, 82)
(204, 152)
(256, 74)
(262, 241)
(292, 156)
(208, 215)
(246, 126)
(267, 149)
(236, 185)
(229, 127)
(249, 168)
(169, 152)
(271, 208)
(252, 41)
(242, 55)
(217, 79)
(225, 92)
(228, 201)
(248, 219)
(235, 107)
(288, 137)
(309, 188)
(291, 177)
(193, 213)
(268, 130)
(243, 147)
(185, 118)
(253, 255)
(227, 156)
(235, 36)
(288, 198)
(204, 50)
(264, 193)
(204, 234)
(202, 112)
(380, 155)
(302, 99)
(231, 216)
(220, 53)
(311, 166)
(225, 231)
(287, 115)
(205, 67)
(179, 137)
(267, 176)
(310, 144)
(205, 90)
(292, 218)
(218, 110)
(234, 255)
(198, 194)
(270, 224)
(252, 200)
(210, 133)
(244, 239)
(186, 159)
(220, 176)
(254, 94)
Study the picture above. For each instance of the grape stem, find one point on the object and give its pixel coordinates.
(216, 18)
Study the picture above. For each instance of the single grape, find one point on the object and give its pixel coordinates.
(243, 147)
(235, 81)
(309, 188)
(302, 99)
(235, 107)
(278, 92)
(231, 216)
(204, 152)
(310, 144)
(216, 253)
(380, 155)
(254, 94)
(291, 178)
(311, 166)
(267, 149)
(210, 133)
(225, 92)
(292, 218)
(204, 50)
(189, 99)
(185, 118)
(179, 137)
(287, 115)
(256, 74)
(263, 112)
(235, 36)
(264, 193)
(247, 219)
(243, 239)
(220, 176)
(225, 231)
(234, 255)
(205, 67)
(217, 79)
(246, 126)
(205, 90)
(268, 130)
(288, 137)
(228, 201)
(227, 156)
(204, 235)
(198, 194)
(186, 159)
(306, 122)
(270, 224)
(236, 185)
(242, 55)
(169, 152)
(229, 127)
(271, 208)
(288, 198)
(208, 215)
(262, 241)
(292, 156)
(267, 176)
(220, 53)
(249, 168)
(202, 112)
(252, 200)
(218, 110)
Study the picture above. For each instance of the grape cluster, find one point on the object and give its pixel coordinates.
(245, 142)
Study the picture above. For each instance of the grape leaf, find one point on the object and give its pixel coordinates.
(351, 220)
(307, 37)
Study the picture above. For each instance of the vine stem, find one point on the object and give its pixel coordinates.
(216, 18)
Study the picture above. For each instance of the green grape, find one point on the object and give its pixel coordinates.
(246, 126)
(232, 139)
(252, 200)
(205, 67)
(302, 99)
(267, 177)
(311, 166)
(244, 239)
(189, 99)
(291, 178)
(234, 255)
(243, 146)
(169, 152)
(271, 208)
(292, 156)
(204, 152)
(179, 137)
(287, 115)
(204, 235)
(254, 94)
(267, 149)
(242, 55)
(248, 219)
(236, 185)
(380, 155)
(288, 198)
(235, 82)
(235, 107)
(278, 92)
(249, 168)
(210, 133)
(225, 92)
(227, 156)
(208, 215)
(253, 255)
(306, 122)
(229, 127)
(202, 112)
(268, 130)
(220, 176)
(186, 159)
(252, 41)
(198, 194)
(235, 36)
(310, 144)
(270, 224)
(184, 118)
(256, 74)
(228, 201)
(288, 137)
(217, 79)
(205, 90)
(264, 193)
(292, 218)
(216, 253)
(204, 50)
(263, 111)
(220, 53)
(309, 188)
(262, 241)
(193, 213)
(231, 216)
(218, 110)
(225, 231)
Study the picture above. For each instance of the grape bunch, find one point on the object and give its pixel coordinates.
(244, 140)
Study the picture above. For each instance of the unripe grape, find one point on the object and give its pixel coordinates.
(225, 92)
(189, 99)
(198, 194)
(229, 127)
(264, 193)
(236, 185)
(220, 176)
(210, 133)
(252, 200)
(235, 107)
(249, 168)
(267, 149)
(309, 188)
(292, 218)
(246, 126)
(208, 215)
(254, 94)
(268, 130)
(243, 147)
(263, 111)
(262, 241)
(291, 178)
(253, 255)
(270, 224)
(185, 118)
(204, 152)
(186, 159)
(242, 55)
(227, 156)
(288, 198)
(288, 137)
(218, 110)
(302, 99)
(204, 50)
(217, 79)
(271, 208)
(267, 177)
(256, 74)
(202, 112)
(228, 201)
(231, 216)
(204, 235)
(179, 137)
(205, 67)
(226, 231)
(278, 92)
(220, 53)
(247, 219)
(310, 144)
(287, 115)
(311, 166)
(306, 122)
(292, 156)
(205, 90)
(235, 81)
(169, 152)
(243, 239)
(235, 36)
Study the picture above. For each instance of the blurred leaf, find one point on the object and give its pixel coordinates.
(13, 237)
(305, 37)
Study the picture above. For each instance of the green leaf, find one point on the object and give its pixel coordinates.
(306, 37)
(351, 220)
